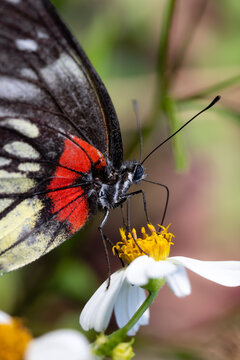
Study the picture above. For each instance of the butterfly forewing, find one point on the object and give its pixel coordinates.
(55, 121)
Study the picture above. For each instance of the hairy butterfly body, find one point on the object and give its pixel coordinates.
(61, 156)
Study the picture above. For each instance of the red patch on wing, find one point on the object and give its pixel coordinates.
(71, 204)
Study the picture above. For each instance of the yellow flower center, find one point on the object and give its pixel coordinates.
(157, 244)
(14, 338)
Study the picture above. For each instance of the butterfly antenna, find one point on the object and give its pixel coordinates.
(215, 100)
(136, 110)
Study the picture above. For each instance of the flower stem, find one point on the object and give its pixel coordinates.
(118, 336)
(149, 300)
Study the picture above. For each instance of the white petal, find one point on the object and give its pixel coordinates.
(98, 310)
(129, 300)
(222, 272)
(178, 282)
(144, 268)
(5, 318)
(136, 272)
(59, 345)
(160, 269)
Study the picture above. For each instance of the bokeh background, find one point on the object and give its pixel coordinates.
(174, 57)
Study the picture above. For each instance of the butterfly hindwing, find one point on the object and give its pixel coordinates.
(41, 203)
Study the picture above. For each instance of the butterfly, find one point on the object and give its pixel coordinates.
(61, 153)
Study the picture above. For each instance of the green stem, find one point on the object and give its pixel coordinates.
(162, 84)
(177, 146)
(163, 47)
(149, 300)
(118, 336)
(163, 105)
(161, 87)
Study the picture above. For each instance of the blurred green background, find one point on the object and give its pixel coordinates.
(173, 57)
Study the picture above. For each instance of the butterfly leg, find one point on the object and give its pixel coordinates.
(167, 198)
(128, 196)
(128, 215)
(126, 224)
(106, 240)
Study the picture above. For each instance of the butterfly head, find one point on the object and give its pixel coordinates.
(138, 173)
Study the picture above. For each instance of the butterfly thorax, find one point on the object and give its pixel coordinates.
(111, 190)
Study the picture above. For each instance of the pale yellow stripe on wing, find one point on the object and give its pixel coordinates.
(29, 250)
(24, 253)
(58, 239)
(4, 203)
(18, 222)
(14, 182)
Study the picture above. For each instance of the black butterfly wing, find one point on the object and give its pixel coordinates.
(53, 107)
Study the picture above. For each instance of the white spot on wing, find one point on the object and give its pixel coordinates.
(14, 182)
(4, 203)
(13, 89)
(63, 68)
(28, 73)
(21, 149)
(28, 166)
(26, 44)
(4, 161)
(13, 1)
(23, 126)
(42, 35)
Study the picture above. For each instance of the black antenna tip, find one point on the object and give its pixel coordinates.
(215, 100)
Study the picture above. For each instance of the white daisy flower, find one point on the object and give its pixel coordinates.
(125, 293)
(16, 342)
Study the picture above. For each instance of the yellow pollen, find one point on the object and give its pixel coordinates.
(14, 338)
(157, 244)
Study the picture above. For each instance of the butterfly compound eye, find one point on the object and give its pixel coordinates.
(138, 173)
